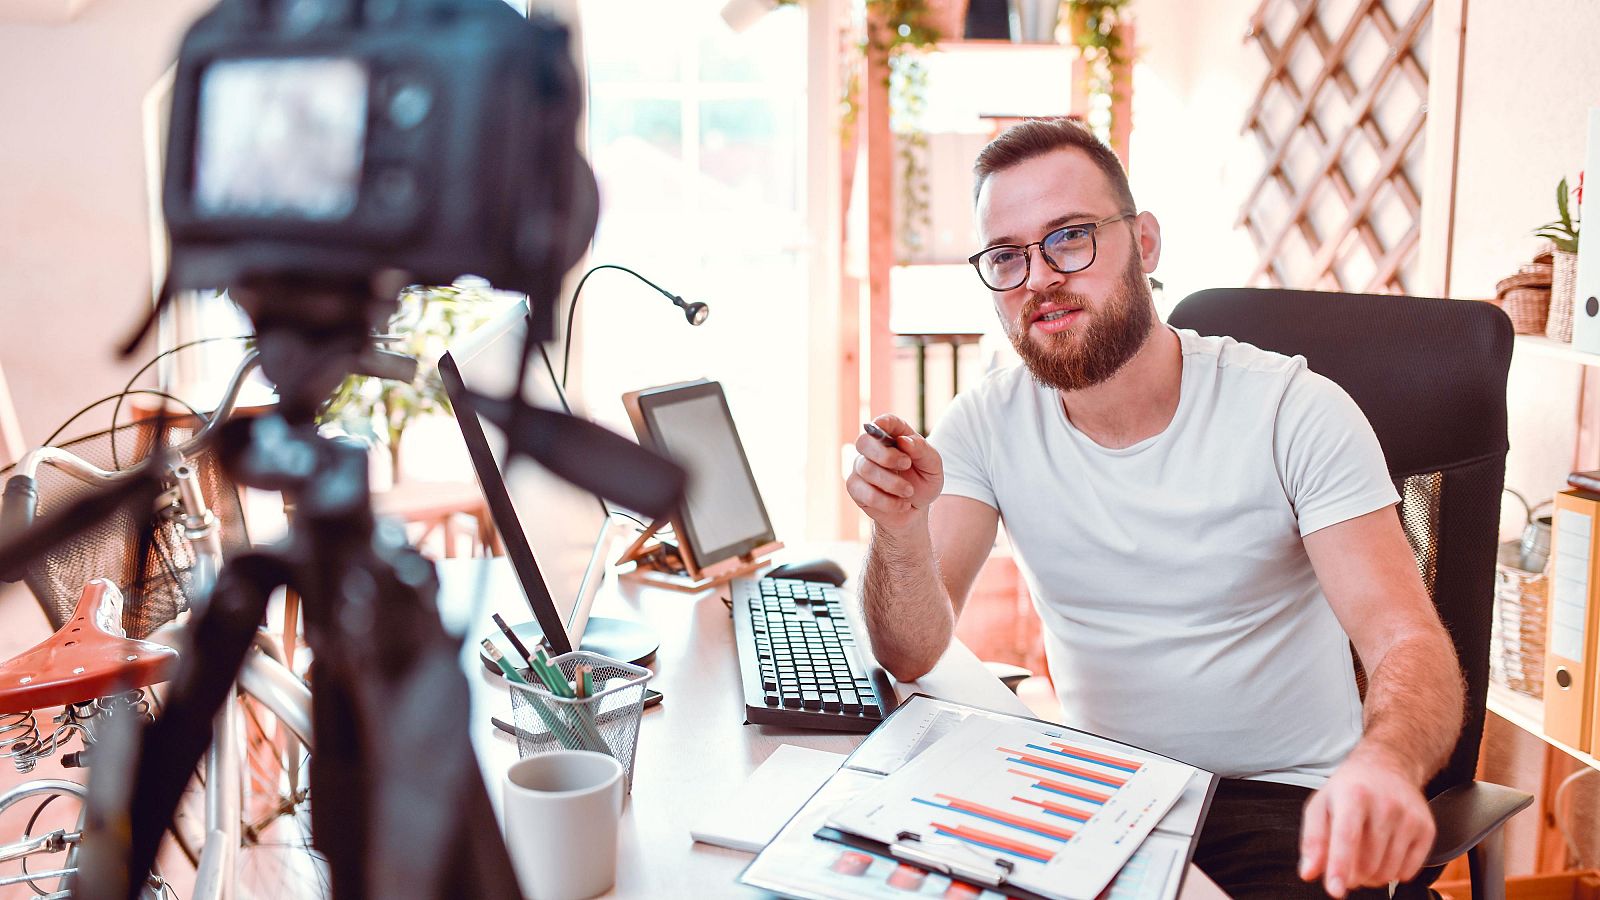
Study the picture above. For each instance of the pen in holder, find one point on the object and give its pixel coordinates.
(606, 720)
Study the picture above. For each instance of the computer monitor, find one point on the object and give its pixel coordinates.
(556, 535)
(722, 516)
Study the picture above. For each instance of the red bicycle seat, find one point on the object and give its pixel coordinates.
(86, 658)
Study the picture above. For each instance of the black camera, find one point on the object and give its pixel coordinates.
(322, 142)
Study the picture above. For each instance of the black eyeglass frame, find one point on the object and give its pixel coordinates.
(1027, 256)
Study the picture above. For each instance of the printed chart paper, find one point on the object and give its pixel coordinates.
(798, 864)
(1058, 816)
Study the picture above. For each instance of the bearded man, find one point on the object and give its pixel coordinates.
(1206, 529)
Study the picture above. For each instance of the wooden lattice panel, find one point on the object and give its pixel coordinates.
(1339, 120)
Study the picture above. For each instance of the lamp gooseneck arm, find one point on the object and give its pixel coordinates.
(695, 312)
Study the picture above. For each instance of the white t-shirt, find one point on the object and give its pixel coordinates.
(1181, 613)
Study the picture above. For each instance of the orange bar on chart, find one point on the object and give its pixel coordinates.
(1065, 768)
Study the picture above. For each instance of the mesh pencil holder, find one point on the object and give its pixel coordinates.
(607, 721)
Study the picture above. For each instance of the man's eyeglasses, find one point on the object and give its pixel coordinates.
(1068, 249)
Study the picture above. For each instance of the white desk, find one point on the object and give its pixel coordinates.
(693, 748)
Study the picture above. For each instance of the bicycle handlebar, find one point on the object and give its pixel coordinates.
(20, 499)
(84, 470)
(17, 506)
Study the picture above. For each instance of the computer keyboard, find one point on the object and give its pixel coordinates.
(799, 659)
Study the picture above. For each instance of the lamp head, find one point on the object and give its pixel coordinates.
(695, 312)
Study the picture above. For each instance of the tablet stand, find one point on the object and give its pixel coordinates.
(653, 564)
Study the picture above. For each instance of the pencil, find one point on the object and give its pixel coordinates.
(494, 654)
(516, 643)
(550, 675)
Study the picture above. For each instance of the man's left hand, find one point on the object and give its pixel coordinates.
(1367, 827)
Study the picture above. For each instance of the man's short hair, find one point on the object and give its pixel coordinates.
(1036, 137)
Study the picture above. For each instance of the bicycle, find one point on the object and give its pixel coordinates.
(167, 562)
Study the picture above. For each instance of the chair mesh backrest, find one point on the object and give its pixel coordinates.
(1430, 375)
(110, 548)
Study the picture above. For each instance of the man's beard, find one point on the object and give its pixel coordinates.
(1082, 357)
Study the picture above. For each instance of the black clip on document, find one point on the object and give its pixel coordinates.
(909, 847)
(990, 871)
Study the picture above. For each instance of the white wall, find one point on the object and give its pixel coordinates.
(1531, 73)
(74, 244)
(1188, 163)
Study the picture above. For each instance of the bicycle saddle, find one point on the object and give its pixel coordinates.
(88, 657)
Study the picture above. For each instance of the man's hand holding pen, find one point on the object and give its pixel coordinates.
(897, 475)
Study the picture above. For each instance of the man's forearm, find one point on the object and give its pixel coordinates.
(1414, 704)
(910, 618)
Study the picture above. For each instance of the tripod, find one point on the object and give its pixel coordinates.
(399, 800)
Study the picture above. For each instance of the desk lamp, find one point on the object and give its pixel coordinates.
(617, 638)
(696, 313)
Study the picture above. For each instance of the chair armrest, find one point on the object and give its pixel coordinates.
(1009, 675)
(1468, 813)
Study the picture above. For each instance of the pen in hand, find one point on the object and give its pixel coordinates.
(883, 436)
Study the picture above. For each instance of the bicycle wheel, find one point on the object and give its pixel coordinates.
(269, 809)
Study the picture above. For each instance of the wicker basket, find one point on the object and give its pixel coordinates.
(1517, 632)
(1525, 297)
(1563, 292)
(1528, 308)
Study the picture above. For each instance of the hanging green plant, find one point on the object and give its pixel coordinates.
(908, 32)
(908, 91)
(1093, 27)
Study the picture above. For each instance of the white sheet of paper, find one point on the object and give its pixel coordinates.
(782, 784)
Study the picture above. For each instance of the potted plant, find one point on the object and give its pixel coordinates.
(1563, 233)
(427, 320)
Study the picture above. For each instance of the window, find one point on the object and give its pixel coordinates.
(697, 138)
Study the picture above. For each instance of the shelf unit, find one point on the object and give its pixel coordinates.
(1539, 345)
(1521, 710)
(1527, 714)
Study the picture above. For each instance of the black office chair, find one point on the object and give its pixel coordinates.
(1430, 375)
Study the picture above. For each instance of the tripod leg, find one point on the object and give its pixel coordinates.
(131, 805)
(401, 796)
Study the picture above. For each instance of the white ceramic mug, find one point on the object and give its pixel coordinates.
(561, 817)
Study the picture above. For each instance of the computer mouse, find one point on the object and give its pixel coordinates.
(825, 570)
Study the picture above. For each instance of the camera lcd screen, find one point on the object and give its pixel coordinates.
(280, 138)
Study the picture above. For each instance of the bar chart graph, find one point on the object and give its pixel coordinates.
(1043, 811)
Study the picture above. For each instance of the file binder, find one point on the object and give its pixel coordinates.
(1570, 670)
